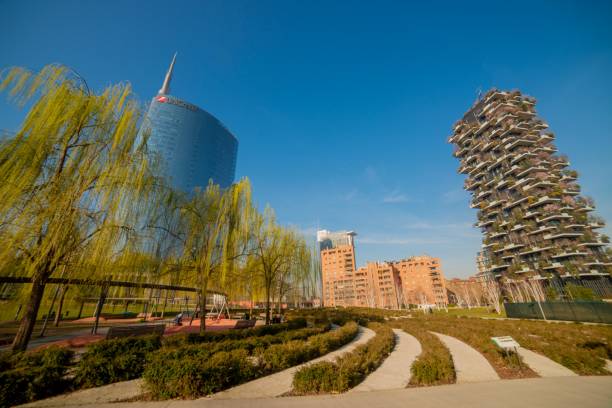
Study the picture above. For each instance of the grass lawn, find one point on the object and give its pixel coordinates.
(579, 347)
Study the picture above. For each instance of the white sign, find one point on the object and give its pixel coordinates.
(505, 342)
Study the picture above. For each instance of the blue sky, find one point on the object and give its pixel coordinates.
(343, 108)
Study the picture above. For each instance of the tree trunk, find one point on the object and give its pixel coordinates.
(195, 309)
(58, 315)
(154, 308)
(268, 304)
(81, 309)
(44, 326)
(203, 312)
(99, 307)
(146, 306)
(165, 303)
(18, 311)
(20, 342)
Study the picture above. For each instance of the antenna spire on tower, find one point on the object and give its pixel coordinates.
(165, 89)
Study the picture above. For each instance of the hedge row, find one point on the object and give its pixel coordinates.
(339, 316)
(192, 371)
(216, 336)
(114, 360)
(435, 364)
(348, 370)
(29, 376)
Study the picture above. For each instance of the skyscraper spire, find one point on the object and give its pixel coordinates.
(165, 89)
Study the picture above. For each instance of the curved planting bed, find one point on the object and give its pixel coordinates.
(434, 365)
(201, 369)
(29, 376)
(348, 370)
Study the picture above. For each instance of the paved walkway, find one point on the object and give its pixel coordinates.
(470, 365)
(544, 366)
(394, 372)
(120, 391)
(280, 383)
(583, 392)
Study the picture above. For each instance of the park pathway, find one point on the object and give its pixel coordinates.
(544, 366)
(470, 365)
(280, 383)
(583, 392)
(394, 372)
(120, 391)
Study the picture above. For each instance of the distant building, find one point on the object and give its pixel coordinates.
(195, 147)
(422, 281)
(381, 285)
(466, 292)
(390, 285)
(337, 267)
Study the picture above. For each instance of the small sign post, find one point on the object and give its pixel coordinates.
(508, 344)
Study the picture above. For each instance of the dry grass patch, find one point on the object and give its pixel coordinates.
(579, 347)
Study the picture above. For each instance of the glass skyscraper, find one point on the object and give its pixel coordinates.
(194, 145)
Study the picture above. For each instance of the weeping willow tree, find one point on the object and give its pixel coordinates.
(275, 250)
(294, 274)
(216, 233)
(74, 180)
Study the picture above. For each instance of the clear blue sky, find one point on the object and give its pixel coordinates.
(343, 108)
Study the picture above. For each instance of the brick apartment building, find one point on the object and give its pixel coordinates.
(417, 280)
(422, 281)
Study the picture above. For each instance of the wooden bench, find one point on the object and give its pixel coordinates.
(139, 330)
(244, 324)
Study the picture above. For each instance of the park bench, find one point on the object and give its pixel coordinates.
(139, 330)
(244, 324)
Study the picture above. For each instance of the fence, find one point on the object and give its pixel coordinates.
(595, 312)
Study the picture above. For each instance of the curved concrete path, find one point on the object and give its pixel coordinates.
(120, 391)
(470, 365)
(394, 372)
(544, 366)
(280, 383)
(583, 392)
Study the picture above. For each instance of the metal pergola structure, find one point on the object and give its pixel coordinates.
(104, 287)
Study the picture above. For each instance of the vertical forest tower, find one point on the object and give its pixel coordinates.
(534, 220)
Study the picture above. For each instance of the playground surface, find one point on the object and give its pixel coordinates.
(79, 335)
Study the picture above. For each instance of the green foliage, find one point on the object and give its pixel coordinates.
(190, 376)
(30, 376)
(551, 293)
(114, 360)
(578, 292)
(349, 369)
(434, 365)
(216, 336)
(194, 370)
(319, 377)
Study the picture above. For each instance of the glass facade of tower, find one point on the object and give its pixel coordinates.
(194, 145)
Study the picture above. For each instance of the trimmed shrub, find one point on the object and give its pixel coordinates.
(114, 360)
(33, 375)
(200, 369)
(348, 370)
(193, 377)
(431, 368)
(209, 337)
(435, 364)
(320, 376)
